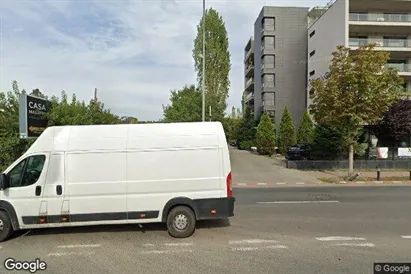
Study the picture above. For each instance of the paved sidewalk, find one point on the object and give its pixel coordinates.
(299, 184)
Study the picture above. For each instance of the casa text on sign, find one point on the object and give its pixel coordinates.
(33, 120)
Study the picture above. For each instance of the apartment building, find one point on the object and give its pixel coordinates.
(387, 23)
(275, 63)
(248, 95)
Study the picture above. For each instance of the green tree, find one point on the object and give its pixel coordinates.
(217, 62)
(305, 130)
(185, 105)
(286, 136)
(247, 130)
(11, 146)
(129, 120)
(328, 144)
(358, 90)
(75, 112)
(232, 127)
(265, 136)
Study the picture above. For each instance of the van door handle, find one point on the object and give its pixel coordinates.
(59, 190)
(38, 190)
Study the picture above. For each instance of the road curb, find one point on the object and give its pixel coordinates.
(282, 184)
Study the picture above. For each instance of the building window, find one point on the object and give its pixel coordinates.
(269, 98)
(312, 33)
(268, 61)
(269, 80)
(312, 73)
(268, 42)
(268, 24)
(312, 53)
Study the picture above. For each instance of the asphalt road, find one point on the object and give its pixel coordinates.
(276, 230)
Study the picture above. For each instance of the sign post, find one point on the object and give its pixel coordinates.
(32, 115)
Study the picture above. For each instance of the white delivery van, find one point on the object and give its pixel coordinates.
(174, 173)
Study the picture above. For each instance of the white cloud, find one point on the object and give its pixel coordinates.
(134, 52)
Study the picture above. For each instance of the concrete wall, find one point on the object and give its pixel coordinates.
(290, 60)
(331, 30)
(257, 65)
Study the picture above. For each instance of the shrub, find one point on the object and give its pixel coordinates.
(265, 138)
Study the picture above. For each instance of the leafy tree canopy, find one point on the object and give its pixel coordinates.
(358, 90)
(217, 62)
(306, 130)
(286, 136)
(265, 137)
(185, 105)
(396, 123)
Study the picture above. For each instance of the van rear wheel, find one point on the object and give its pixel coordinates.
(181, 222)
(5, 226)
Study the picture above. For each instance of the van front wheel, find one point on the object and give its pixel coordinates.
(5, 226)
(181, 222)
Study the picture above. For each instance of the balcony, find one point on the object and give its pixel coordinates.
(249, 70)
(249, 98)
(249, 85)
(380, 17)
(379, 23)
(249, 54)
(397, 47)
(403, 69)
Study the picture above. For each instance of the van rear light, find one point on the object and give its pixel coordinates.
(229, 185)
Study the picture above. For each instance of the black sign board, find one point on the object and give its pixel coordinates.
(33, 120)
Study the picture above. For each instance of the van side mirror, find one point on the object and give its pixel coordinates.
(4, 182)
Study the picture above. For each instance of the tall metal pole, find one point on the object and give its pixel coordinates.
(203, 84)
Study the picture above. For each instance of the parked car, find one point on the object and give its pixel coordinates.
(299, 152)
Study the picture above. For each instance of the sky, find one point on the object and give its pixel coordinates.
(133, 52)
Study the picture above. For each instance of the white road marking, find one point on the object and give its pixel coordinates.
(406, 237)
(258, 248)
(242, 184)
(165, 251)
(69, 253)
(148, 244)
(252, 241)
(277, 246)
(178, 244)
(300, 183)
(244, 248)
(354, 244)
(339, 238)
(261, 184)
(280, 183)
(299, 202)
(78, 246)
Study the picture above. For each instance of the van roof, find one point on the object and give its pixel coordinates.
(123, 136)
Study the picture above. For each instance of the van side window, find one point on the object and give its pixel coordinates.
(16, 173)
(27, 172)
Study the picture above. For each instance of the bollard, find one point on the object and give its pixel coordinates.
(410, 174)
(378, 174)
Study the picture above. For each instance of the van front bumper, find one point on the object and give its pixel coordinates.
(214, 208)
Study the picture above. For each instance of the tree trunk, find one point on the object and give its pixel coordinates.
(351, 160)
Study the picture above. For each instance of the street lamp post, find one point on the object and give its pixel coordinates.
(203, 84)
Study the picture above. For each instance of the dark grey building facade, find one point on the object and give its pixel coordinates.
(279, 48)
